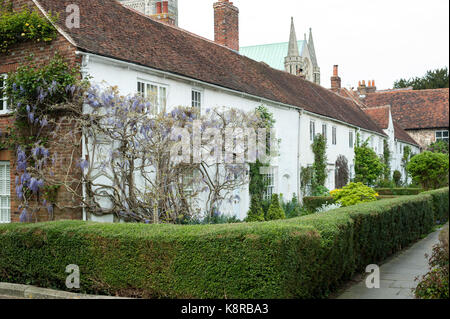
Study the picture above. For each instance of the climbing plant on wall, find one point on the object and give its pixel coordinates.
(386, 160)
(35, 92)
(22, 26)
(319, 148)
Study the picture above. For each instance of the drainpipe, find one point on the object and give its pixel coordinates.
(299, 194)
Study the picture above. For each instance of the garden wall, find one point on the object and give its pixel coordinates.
(306, 257)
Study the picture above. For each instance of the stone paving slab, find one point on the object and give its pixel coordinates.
(398, 274)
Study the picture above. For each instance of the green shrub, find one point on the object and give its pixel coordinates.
(354, 193)
(397, 176)
(275, 211)
(398, 191)
(256, 213)
(320, 191)
(293, 208)
(434, 285)
(368, 166)
(305, 257)
(312, 203)
(22, 26)
(429, 169)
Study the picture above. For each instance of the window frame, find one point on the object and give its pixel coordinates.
(442, 137)
(143, 87)
(271, 187)
(3, 98)
(194, 101)
(325, 130)
(7, 186)
(312, 130)
(334, 135)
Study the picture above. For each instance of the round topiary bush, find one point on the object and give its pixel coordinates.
(354, 193)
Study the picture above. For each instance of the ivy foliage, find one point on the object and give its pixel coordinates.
(386, 161)
(429, 169)
(258, 185)
(22, 26)
(319, 148)
(368, 166)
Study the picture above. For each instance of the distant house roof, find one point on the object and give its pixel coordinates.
(422, 109)
(111, 30)
(380, 115)
(272, 54)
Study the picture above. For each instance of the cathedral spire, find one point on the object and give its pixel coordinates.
(293, 44)
(293, 60)
(312, 50)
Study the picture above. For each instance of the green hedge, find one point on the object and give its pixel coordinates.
(399, 191)
(312, 203)
(305, 257)
(440, 204)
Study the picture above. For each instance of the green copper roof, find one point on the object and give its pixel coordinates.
(273, 54)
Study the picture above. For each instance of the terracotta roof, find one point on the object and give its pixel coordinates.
(422, 109)
(402, 135)
(380, 115)
(111, 30)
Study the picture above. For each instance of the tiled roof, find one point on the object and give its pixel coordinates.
(380, 115)
(423, 109)
(272, 54)
(111, 30)
(402, 135)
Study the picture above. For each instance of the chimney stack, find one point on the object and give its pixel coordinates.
(372, 88)
(335, 79)
(226, 24)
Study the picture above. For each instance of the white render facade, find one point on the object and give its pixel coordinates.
(292, 124)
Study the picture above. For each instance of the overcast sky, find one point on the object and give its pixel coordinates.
(382, 40)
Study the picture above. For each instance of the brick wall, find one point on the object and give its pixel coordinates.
(424, 137)
(41, 54)
(226, 24)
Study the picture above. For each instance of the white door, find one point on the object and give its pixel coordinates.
(5, 192)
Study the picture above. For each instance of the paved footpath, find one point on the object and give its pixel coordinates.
(397, 274)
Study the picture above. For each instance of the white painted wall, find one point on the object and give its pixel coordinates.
(294, 152)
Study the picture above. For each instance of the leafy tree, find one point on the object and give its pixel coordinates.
(256, 213)
(275, 211)
(405, 160)
(434, 79)
(438, 147)
(429, 169)
(319, 148)
(368, 166)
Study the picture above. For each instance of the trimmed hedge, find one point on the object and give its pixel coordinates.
(440, 204)
(305, 257)
(312, 203)
(399, 191)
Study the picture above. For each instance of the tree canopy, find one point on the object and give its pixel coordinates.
(433, 79)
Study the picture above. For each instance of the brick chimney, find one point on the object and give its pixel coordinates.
(335, 79)
(362, 89)
(226, 24)
(371, 87)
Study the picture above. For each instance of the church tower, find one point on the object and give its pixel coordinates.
(293, 61)
(164, 11)
(312, 52)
